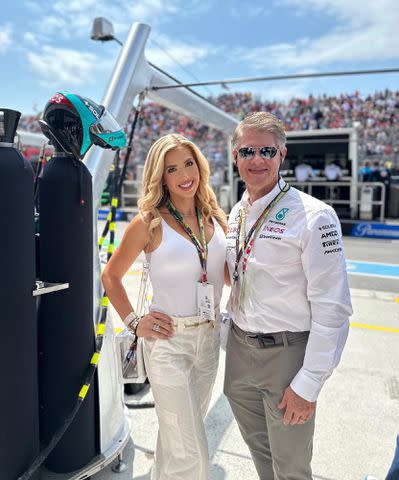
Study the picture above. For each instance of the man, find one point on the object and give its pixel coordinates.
(303, 172)
(290, 304)
(333, 172)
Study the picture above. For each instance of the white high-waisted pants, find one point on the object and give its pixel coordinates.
(182, 372)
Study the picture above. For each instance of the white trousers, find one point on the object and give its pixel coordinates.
(182, 372)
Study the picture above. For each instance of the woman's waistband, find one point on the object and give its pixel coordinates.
(194, 320)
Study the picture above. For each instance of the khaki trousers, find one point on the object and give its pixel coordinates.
(182, 372)
(255, 381)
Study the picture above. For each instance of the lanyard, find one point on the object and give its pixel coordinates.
(244, 243)
(201, 246)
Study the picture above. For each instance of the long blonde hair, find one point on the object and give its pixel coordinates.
(154, 195)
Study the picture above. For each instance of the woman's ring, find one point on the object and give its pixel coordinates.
(156, 327)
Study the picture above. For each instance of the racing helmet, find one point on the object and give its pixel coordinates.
(75, 123)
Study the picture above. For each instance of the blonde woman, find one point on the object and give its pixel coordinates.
(182, 231)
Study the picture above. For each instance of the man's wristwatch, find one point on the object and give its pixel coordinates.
(131, 321)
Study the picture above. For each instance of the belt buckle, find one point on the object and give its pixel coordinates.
(263, 341)
(266, 340)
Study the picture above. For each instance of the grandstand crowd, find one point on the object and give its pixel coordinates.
(375, 116)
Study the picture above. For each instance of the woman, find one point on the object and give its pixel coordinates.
(182, 231)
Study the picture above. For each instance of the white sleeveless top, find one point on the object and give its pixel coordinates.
(175, 271)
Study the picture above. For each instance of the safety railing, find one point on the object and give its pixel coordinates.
(334, 191)
(131, 191)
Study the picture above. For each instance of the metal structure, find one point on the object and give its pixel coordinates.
(378, 202)
(351, 140)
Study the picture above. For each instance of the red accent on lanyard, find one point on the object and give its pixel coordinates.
(250, 238)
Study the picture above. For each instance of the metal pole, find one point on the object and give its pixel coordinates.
(233, 200)
(352, 153)
(119, 98)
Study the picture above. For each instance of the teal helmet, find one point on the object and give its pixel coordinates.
(76, 123)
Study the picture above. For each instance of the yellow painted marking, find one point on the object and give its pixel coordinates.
(114, 202)
(118, 330)
(397, 299)
(105, 302)
(101, 329)
(111, 249)
(101, 241)
(94, 358)
(374, 327)
(134, 272)
(112, 227)
(109, 217)
(83, 391)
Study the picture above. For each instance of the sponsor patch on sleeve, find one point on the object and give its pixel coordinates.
(330, 238)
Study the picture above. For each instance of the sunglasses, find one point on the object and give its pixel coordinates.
(248, 153)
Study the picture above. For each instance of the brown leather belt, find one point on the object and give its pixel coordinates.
(267, 340)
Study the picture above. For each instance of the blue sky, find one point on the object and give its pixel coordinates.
(46, 46)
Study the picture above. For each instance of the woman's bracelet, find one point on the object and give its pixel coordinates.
(131, 321)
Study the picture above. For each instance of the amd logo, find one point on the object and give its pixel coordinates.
(333, 233)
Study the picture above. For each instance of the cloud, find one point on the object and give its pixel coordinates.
(53, 24)
(31, 39)
(5, 37)
(79, 14)
(64, 68)
(148, 9)
(173, 53)
(251, 11)
(32, 5)
(365, 32)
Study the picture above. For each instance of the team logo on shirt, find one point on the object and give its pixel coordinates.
(281, 214)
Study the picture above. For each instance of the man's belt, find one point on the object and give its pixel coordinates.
(267, 340)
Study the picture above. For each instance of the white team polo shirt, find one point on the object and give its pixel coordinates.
(295, 280)
(333, 172)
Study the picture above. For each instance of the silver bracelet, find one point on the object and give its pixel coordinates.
(131, 321)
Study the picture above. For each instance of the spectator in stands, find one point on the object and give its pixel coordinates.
(366, 171)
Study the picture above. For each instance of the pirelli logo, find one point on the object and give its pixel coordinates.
(330, 243)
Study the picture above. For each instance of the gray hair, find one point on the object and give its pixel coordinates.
(264, 122)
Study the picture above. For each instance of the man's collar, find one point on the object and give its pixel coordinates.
(262, 202)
